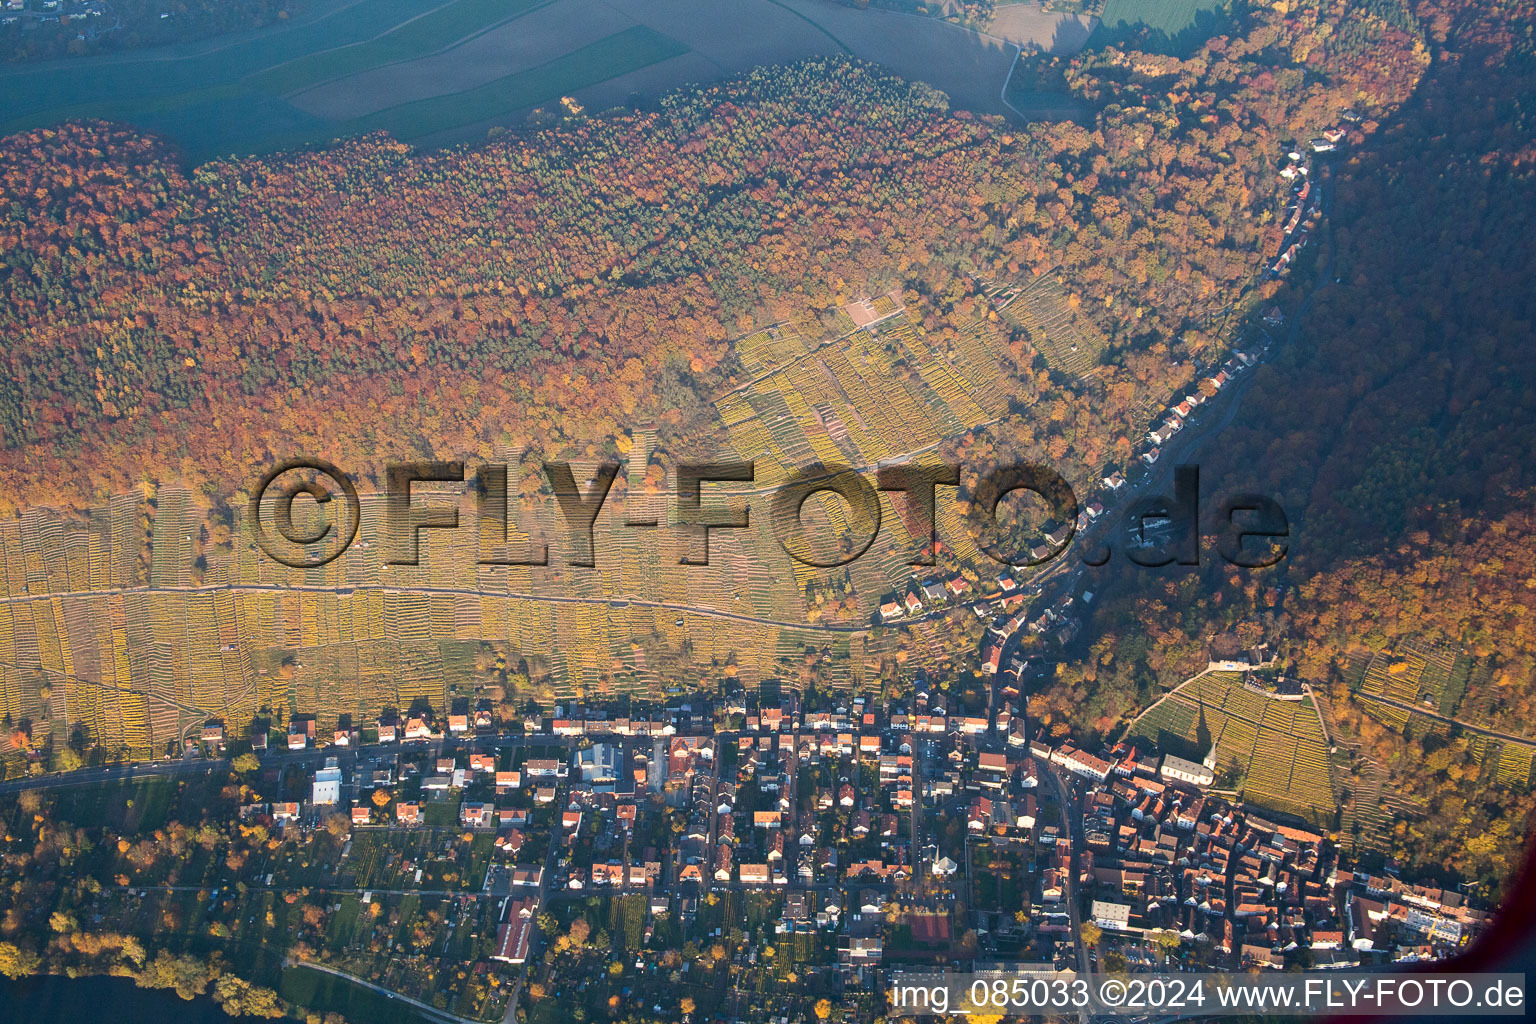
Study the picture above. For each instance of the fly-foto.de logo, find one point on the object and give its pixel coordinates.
(1250, 530)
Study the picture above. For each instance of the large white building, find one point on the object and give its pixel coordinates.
(1111, 915)
(599, 763)
(327, 786)
(1178, 769)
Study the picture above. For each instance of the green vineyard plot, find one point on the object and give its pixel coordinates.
(1277, 748)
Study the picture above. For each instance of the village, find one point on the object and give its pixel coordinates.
(872, 836)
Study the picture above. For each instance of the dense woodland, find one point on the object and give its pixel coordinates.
(1406, 471)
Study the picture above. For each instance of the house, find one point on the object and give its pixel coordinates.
(860, 949)
(282, 813)
(1082, 763)
(326, 790)
(458, 723)
(408, 814)
(890, 611)
(360, 814)
(980, 815)
(475, 815)
(611, 873)
(513, 939)
(753, 874)
(386, 732)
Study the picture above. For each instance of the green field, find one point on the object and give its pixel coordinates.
(1172, 26)
(618, 54)
(441, 813)
(427, 34)
(230, 98)
(133, 807)
(438, 71)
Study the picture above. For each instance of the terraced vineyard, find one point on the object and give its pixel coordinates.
(128, 622)
(1044, 309)
(1367, 819)
(1417, 675)
(1437, 679)
(1278, 747)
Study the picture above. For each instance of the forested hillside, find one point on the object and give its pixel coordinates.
(1397, 434)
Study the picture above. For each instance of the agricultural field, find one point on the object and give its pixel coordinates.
(1042, 26)
(1277, 747)
(451, 71)
(421, 36)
